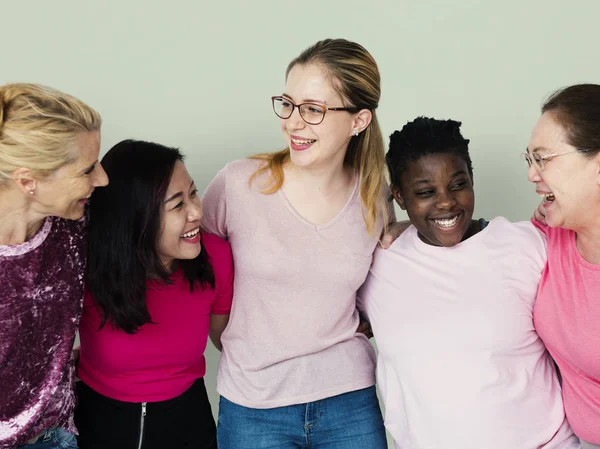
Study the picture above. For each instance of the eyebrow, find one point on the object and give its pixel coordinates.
(419, 182)
(306, 100)
(536, 150)
(177, 195)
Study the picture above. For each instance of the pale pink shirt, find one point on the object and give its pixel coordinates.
(567, 317)
(292, 334)
(460, 364)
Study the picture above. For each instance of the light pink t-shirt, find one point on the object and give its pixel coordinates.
(163, 358)
(460, 365)
(567, 317)
(292, 334)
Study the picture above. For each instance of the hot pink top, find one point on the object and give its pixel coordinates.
(567, 318)
(164, 358)
(292, 334)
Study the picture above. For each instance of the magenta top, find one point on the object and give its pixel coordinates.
(163, 358)
(41, 289)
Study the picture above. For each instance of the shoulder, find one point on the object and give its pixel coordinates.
(234, 177)
(73, 231)
(522, 236)
(402, 249)
(243, 167)
(522, 232)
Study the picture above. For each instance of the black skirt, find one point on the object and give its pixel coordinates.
(184, 422)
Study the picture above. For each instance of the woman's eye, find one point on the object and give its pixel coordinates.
(458, 185)
(90, 170)
(194, 193)
(424, 193)
(179, 205)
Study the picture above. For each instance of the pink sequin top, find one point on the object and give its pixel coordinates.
(41, 291)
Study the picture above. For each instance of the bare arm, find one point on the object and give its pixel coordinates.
(218, 323)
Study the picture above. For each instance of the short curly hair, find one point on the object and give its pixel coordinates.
(421, 137)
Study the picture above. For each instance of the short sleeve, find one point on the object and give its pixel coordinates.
(533, 242)
(214, 205)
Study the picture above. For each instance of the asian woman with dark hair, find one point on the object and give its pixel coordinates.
(156, 287)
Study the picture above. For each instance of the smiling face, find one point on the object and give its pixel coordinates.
(437, 193)
(66, 191)
(569, 182)
(325, 144)
(182, 211)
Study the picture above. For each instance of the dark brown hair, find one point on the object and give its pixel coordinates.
(577, 109)
(125, 223)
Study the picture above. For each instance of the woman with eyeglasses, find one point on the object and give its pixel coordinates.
(303, 223)
(564, 163)
(564, 158)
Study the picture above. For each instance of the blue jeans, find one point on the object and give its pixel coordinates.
(348, 421)
(53, 439)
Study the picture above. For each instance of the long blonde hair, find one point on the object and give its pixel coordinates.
(354, 74)
(39, 127)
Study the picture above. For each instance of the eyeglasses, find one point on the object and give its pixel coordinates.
(538, 161)
(311, 113)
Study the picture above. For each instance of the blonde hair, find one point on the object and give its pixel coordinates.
(354, 74)
(39, 127)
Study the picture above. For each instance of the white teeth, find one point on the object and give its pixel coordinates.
(547, 196)
(191, 234)
(302, 142)
(446, 222)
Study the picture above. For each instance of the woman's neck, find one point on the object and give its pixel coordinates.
(588, 244)
(18, 223)
(326, 180)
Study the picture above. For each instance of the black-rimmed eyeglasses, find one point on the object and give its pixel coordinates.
(311, 113)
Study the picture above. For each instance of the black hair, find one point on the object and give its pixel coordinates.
(421, 137)
(124, 228)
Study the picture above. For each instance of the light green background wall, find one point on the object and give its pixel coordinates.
(199, 74)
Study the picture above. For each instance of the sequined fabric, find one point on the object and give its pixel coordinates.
(41, 290)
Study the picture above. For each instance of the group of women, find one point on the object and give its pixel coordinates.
(485, 328)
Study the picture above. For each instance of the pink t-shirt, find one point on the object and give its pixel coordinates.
(460, 365)
(567, 317)
(164, 358)
(292, 334)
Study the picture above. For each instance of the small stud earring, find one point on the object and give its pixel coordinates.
(31, 192)
(355, 132)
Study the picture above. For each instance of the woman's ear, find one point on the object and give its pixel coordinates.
(24, 180)
(398, 197)
(361, 120)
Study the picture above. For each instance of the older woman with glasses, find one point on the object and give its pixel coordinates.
(564, 164)
(303, 223)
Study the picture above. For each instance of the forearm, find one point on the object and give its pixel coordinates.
(218, 323)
